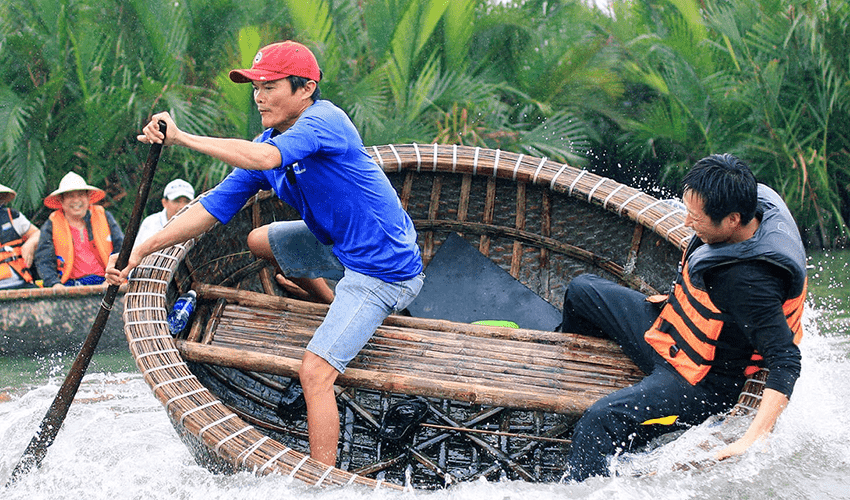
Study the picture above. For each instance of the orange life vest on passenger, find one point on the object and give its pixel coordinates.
(686, 331)
(64, 245)
(11, 259)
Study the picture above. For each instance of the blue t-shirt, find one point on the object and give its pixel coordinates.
(340, 192)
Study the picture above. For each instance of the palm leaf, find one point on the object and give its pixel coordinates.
(563, 137)
(459, 27)
(13, 118)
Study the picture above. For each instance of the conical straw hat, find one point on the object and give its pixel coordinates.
(6, 194)
(73, 182)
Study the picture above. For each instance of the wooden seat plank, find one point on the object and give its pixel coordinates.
(496, 356)
(539, 370)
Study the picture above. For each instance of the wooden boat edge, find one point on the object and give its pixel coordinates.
(56, 292)
(44, 321)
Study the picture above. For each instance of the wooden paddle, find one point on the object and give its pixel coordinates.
(52, 421)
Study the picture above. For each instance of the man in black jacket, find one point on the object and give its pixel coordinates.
(737, 302)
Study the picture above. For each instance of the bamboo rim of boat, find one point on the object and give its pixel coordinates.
(664, 218)
(238, 444)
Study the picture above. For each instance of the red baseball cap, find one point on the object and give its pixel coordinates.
(280, 60)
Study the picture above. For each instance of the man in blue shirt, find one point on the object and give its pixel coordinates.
(353, 226)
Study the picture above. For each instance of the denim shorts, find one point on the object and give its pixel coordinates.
(361, 302)
(300, 255)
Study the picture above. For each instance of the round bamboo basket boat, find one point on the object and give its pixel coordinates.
(541, 221)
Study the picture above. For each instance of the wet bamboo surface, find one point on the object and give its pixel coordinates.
(425, 357)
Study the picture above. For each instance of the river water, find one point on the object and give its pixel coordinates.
(117, 443)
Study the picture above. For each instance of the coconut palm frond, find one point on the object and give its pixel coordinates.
(563, 137)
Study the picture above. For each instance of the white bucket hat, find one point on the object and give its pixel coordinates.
(6, 194)
(73, 182)
(177, 188)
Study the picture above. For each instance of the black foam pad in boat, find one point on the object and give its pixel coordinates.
(463, 285)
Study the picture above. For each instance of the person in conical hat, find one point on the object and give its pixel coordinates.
(78, 237)
(18, 241)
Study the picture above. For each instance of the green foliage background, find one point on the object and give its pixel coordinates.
(638, 94)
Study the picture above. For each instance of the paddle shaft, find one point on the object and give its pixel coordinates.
(37, 448)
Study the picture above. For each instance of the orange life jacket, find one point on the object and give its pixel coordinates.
(11, 259)
(686, 331)
(63, 243)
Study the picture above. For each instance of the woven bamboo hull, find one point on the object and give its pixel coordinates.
(55, 320)
(542, 222)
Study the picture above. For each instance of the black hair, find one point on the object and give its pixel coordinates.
(296, 82)
(726, 185)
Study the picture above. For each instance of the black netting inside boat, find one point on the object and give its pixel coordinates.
(456, 441)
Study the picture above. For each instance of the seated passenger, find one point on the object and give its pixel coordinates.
(176, 195)
(736, 305)
(78, 237)
(18, 239)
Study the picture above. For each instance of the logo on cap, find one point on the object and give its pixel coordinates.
(258, 57)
